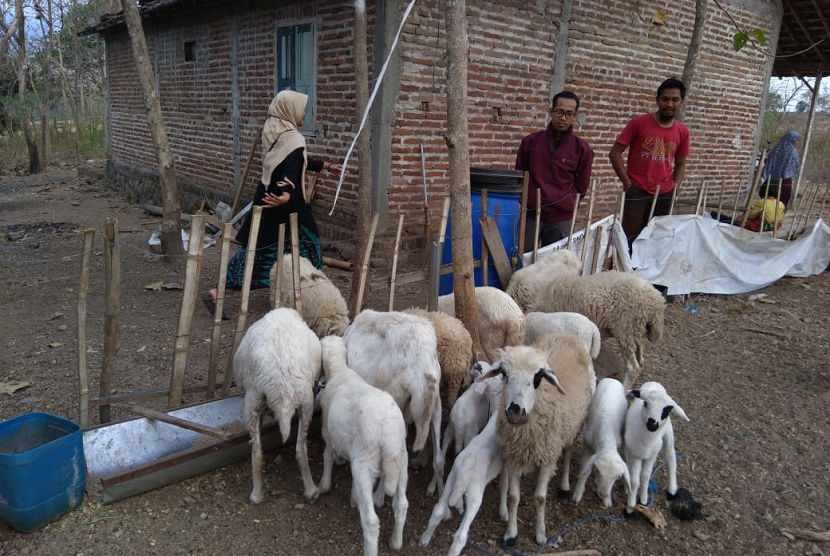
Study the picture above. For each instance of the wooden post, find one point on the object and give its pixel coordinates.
(720, 199)
(276, 284)
(241, 188)
(653, 204)
(823, 199)
(810, 209)
(699, 198)
(83, 292)
(523, 213)
(573, 222)
(445, 212)
(395, 263)
(735, 206)
(256, 216)
(764, 211)
(775, 224)
(613, 226)
(293, 221)
(588, 224)
(749, 202)
(485, 252)
(224, 255)
(434, 275)
(794, 223)
(673, 199)
(193, 270)
(705, 198)
(597, 249)
(364, 271)
(112, 264)
(538, 226)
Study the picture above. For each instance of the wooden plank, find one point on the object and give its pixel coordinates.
(490, 233)
(182, 423)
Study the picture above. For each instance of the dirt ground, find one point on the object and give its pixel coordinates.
(753, 378)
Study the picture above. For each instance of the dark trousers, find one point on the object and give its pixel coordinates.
(637, 209)
(786, 192)
(549, 232)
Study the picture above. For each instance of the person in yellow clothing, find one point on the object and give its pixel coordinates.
(772, 209)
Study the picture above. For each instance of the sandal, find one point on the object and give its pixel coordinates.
(211, 306)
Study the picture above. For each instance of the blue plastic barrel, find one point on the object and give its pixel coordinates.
(504, 191)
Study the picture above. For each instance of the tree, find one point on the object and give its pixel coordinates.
(23, 62)
(171, 238)
(458, 144)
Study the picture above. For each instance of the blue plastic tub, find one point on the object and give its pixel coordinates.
(504, 191)
(42, 469)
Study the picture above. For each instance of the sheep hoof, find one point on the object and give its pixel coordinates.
(313, 495)
(671, 496)
(564, 494)
(509, 543)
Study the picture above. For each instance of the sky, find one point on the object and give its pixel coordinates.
(787, 86)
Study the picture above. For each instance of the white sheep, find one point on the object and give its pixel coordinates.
(573, 324)
(528, 281)
(324, 308)
(620, 304)
(648, 428)
(277, 364)
(535, 423)
(364, 425)
(499, 320)
(455, 351)
(397, 352)
(601, 440)
(478, 464)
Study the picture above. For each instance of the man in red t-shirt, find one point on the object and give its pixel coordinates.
(659, 146)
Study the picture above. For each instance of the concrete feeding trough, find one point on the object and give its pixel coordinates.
(138, 455)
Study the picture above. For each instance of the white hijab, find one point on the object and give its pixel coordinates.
(280, 136)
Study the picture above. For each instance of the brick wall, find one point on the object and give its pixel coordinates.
(615, 61)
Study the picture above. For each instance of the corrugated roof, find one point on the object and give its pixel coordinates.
(804, 42)
(146, 8)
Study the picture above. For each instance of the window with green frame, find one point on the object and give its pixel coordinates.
(296, 64)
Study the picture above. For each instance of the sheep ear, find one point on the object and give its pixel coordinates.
(635, 393)
(548, 375)
(495, 369)
(677, 411)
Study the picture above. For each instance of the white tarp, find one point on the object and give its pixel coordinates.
(689, 253)
(579, 243)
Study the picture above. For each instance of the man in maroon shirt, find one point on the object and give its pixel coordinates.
(559, 164)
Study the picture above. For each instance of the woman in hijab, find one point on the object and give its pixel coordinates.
(782, 164)
(281, 192)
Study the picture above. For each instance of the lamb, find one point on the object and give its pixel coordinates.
(572, 324)
(373, 441)
(277, 364)
(499, 320)
(620, 304)
(324, 308)
(601, 440)
(535, 425)
(470, 413)
(648, 428)
(478, 464)
(527, 282)
(397, 352)
(455, 349)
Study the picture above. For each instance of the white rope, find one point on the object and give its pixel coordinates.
(371, 99)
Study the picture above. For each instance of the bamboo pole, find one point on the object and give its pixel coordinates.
(538, 225)
(588, 224)
(193, 270)
(823, 199)
(276, 284)
(241, 187)
(364, 268)
(613, 226)
(294, 222)
(395, 264)
(705, 199)
(83, 293)
(653, 204)
(794, 223)
(699, 198)
(112, 263)
(256, 216)
(735, 206)
(523, 214)
(597, 249)
(337, 263)
(764, 211)
(445, 213)
(810, 209)
(673, 199)
(485, 251)
(218, 311)
(749, 202)
(775, 224)
(720, 198)
(573, 222)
